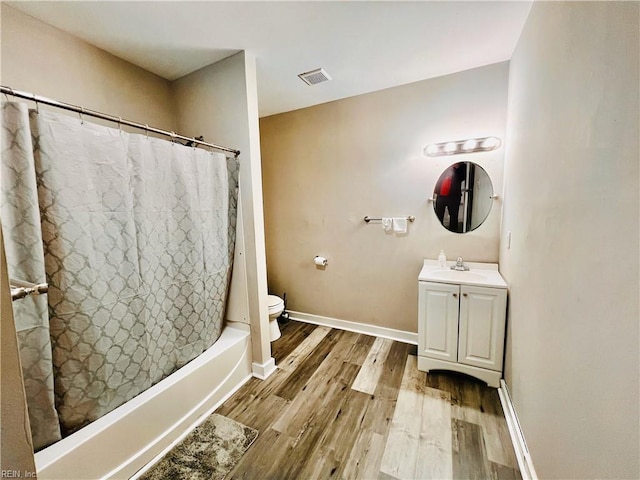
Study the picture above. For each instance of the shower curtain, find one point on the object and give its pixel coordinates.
(20, 218)
(138, 237)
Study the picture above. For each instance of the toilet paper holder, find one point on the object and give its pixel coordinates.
(320, 261)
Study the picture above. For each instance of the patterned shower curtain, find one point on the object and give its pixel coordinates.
(20, 218)
(138, 238)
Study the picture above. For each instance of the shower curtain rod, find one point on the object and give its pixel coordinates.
(104, 116)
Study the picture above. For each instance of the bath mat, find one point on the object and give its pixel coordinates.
(209, 452)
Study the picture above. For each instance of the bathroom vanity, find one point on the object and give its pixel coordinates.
(461, 320)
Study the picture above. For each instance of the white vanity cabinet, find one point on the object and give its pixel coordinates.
(461, 322)
(438, 312)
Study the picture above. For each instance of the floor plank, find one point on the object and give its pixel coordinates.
(293, 333)
(364, 458)
(372, 368)
(469, 459)
(328, 458)
(360, 349)
(313, 423)
(329, 379)
(401, 451)
(500, 472)
(419, 443)
(308, 367)
(385, 397)
(299, 354)
(434, 460)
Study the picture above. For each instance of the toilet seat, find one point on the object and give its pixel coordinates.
(276, 307)
(276, 304)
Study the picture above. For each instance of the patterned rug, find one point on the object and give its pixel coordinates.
(209, 452)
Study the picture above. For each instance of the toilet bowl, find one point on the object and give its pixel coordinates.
(276, 307)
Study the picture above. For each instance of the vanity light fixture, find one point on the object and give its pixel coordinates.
(484, 144)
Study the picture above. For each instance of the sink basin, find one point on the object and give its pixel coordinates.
(459, 276)
(480, 275)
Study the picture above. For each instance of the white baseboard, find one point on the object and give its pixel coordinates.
(517, 436)
(263, 370)
(399, 335)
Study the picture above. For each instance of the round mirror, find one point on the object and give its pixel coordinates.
(462, 197)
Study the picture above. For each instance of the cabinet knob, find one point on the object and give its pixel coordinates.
(464, 294)
(455, 295)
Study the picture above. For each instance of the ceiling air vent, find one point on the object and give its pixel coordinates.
(314, 76)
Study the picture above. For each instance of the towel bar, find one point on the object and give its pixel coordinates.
(368, 219)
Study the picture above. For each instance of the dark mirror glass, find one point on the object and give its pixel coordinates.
(462, 197)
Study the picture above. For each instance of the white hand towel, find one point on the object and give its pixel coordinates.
(386, 224)
(400, 225)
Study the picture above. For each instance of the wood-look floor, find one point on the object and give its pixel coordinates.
(347, 405)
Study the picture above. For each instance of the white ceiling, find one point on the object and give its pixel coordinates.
(364, 45)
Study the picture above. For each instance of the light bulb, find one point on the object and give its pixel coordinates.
(450, 147)
(491, 143)
(470, 144)
(431, 149)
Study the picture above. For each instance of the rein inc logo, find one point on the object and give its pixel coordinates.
(17, 474)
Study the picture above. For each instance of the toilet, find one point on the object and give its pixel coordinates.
(276, 307)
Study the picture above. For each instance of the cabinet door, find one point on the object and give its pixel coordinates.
(438, 320)
(482, 322)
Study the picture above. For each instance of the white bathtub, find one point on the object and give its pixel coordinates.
(120, 443)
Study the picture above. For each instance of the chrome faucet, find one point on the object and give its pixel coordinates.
(459, 266)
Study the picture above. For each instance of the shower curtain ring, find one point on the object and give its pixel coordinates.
(173, 137)
(120, 124)
(146, 130)
(81, 117)
(12, 93)
(35, 99)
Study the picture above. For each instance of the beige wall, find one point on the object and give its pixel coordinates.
(220, 102)
(326, 167)
(41, 59)
(571, 203)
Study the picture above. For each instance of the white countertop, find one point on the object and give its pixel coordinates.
(479, 274)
